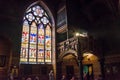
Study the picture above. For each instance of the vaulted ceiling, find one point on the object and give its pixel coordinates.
(99, 17)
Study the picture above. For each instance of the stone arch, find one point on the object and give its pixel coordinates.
(51, 61)
(47, 9)
(89, 55)
(68, 52)
(90, 58)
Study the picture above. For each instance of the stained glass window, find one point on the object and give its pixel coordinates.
(36, 36)
(48, 44)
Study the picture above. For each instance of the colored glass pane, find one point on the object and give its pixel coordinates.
(36, 36)
(44, 20)
(48, 44)
(24, 45)
(24, 53)
(32, 53)
(33, 42)
(40, 43)
(30, 17)
(41, 35)
(47, 56)
(38, 11)
(25, 33)
(40, 55)
(48, 38)
(33, 33)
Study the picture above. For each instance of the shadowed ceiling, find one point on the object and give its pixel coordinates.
(99, 17)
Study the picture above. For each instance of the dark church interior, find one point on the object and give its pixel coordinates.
(99, 52)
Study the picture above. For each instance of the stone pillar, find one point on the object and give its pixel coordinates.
(102, 68)
(59, 70)
(81, 68)
(80, 58)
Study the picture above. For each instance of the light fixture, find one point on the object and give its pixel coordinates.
(84, 34)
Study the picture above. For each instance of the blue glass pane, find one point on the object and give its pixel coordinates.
(44, 20)
(38, 11)
(30, 17)
(35, 44)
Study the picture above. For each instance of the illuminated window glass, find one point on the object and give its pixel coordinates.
(24, 44)
(41, 43)
(48, 44)
(36, 37)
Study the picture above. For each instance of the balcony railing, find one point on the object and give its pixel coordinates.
(68, 44)
(72, 43)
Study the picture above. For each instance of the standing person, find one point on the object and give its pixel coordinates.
(28, 78)
(51, 75)
(11, 76)
(36, 78)
(73, 78)
(63, 77)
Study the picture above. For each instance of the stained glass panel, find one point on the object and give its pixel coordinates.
(40, 43)
(48, 38)
(41, 35)
(32, 54)
(44, 20)
(25, 33)
(48, 44)
(24, 45)
(40, 55)
(47, 56)
(38, 11)
(24, 53)
(30, 17)
(33, 33)
(33, 42)
(36, 36)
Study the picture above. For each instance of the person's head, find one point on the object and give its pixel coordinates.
(73, 77)
(36, 77)
(29, 78)
(51, 71)
(63, 76)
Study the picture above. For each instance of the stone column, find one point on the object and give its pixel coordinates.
(59, 70)
(102, 68)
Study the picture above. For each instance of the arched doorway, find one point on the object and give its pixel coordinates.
(70, 67)
(91, 66)
(68, 64)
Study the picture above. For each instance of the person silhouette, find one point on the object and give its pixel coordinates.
(51, 75)
(63, 77)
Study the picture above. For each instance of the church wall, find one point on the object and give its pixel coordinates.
(5, 58)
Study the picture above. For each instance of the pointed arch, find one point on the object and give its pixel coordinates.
(38, 35)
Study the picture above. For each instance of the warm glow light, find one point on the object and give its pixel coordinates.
(88, 55)
(36, 37)
(82, 35)
(77, 34)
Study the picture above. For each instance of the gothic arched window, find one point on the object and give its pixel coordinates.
(36, 36)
